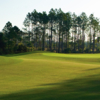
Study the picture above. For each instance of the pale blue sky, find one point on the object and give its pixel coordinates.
(15, 11)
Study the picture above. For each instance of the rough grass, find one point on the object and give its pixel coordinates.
(50, 76)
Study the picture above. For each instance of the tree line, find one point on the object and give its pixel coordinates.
(10, 40)
(56, 31)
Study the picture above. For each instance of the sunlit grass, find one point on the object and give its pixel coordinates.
(49, 74)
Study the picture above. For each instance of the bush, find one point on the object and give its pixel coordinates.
(29, 44)
(80, 50)
(29, 49)
(39, 48)
(98, 50)
(15, 48)
(73, 51)
(21, 48)
(87, 51)
(68, 50)
(1, 51)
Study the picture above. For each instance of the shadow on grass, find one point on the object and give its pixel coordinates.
(36, 55)
(86, 60)
(25, 53)
(77, 89)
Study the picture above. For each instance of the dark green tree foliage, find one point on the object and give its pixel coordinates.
(2, 43)
(67, 23)
(7, 27)
(79, 21)
(60, 18)
(84, 25)
(52, 19)
(34, 18)
(94, 23)
(10, 37)
(66, 31)
(43, 22)
(7, 30)
(74, 26)
(56, 31)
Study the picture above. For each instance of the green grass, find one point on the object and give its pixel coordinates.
(50, 76)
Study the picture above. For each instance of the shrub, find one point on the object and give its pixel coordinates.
(29, 44)
(1, 51)
(22, 48)
(15, 48)
(98, 50)
(68, 50)
(87, 51)
(80, 50)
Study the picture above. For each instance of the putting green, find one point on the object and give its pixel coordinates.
(49, 76)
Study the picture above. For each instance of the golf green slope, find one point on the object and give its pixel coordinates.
(50, 76)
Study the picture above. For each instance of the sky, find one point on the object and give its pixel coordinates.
(15, 11)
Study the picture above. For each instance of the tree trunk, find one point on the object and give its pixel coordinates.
(59, 43)
(29, 36)
(51, 38)
(43, 46)
(90, 39)
(83, 41)
(78, 39)
(62, 42)
(74, 39)
(49, 42)
(66, 40)
(36, 40)
(94, 40)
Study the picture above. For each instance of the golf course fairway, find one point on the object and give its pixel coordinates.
(49, 76)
